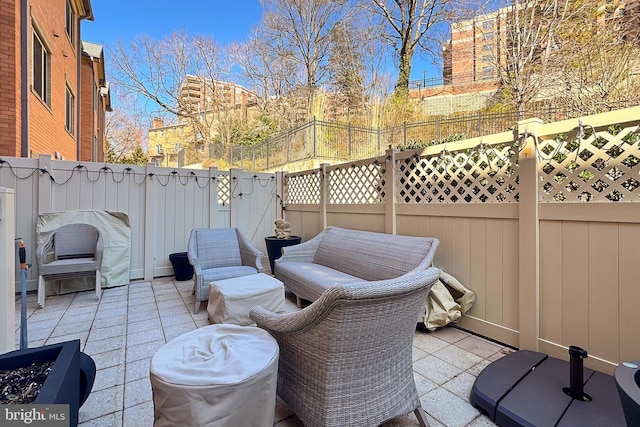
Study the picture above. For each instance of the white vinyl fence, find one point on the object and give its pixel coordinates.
(163, 204)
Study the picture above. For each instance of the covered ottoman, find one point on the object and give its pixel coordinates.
(218, 375)
(230, 300)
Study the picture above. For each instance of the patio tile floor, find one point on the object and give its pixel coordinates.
(123, 330)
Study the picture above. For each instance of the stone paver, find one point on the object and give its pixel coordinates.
(123, 330)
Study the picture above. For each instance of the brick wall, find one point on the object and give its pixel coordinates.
(47, 124)
(10, 69)
(88, 119)
(47, 132)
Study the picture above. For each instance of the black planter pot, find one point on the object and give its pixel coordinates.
(275, 245)
(181, 266)
(69, 381)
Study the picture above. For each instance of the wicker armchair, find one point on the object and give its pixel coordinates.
(345, 360)
(72, 250)
(220, 253)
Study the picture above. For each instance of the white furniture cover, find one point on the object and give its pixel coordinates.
(218, 375)
(115, 230)
(230, 300)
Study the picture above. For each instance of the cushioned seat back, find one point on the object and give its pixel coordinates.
(75, 241)
(218, 247)
(372, 256)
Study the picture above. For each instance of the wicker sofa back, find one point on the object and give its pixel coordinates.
(342, 256)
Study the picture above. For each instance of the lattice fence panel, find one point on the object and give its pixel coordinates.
(357, 184)
(224, 189)
(483, 174)
(600, 167)
(303, 189)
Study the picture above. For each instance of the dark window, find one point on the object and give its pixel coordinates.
(70, 104)
(70, 23)
(41, 69)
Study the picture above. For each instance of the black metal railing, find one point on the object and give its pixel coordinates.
(340, 142)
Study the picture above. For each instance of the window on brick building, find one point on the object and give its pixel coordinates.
(41, 71)
(70, 110)
(70, 23)
(487, 36)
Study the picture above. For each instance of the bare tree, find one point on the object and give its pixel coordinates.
(267, 68)
(527, 46)
(178, 75)
(125, 127)
(346, 71)
(598, 58)
(358, 67)
(572, 54)
(411, 24)
(300, 30)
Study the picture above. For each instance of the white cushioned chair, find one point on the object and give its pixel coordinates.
(345, 360)
(220, 253)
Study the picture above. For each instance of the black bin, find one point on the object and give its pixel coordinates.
(181, 267)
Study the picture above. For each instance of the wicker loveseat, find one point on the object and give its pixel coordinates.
(339, 256)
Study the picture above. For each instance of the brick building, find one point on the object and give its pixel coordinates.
(95, 101)
(208, 107)
(470, 56)
(41, 78)
(470, 78)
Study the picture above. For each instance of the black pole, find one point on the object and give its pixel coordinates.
(576, 372)
(22, 254)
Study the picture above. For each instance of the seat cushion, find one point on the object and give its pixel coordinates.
(310, 280)
(221, 273)
(69, 266)
(218, 247)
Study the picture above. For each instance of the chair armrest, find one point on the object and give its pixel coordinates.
(274, 322)
(192, 254)
(249, 254)
(428, 259)
(303, 252)
(305, 319)
(44, 249)
(99, 250)
(310, 316)
(291, 323)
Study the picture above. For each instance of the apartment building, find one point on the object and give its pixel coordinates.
(470, 79)
(203, 94)
(475, 44)
(208, 108)
(41, 79)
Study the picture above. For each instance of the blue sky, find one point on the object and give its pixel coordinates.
(224, 20)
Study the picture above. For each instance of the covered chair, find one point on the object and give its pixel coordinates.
(345, 360)
(72, 250)
(220, 253)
